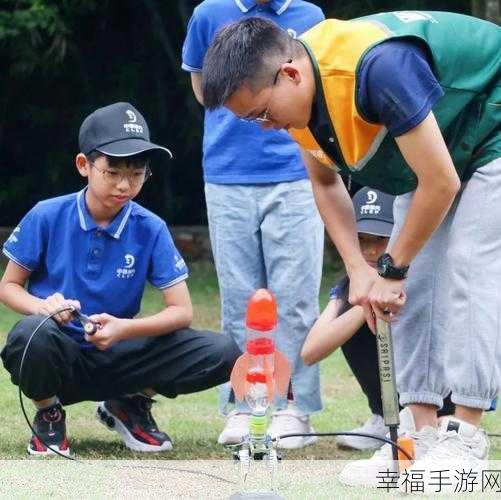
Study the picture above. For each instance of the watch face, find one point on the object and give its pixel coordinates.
(386, 269)
(382, 264)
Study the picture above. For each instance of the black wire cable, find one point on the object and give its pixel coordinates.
(69, 457)
(21, 366)
(330, 434)
(359, 434)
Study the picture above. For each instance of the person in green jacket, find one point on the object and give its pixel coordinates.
(398, 102)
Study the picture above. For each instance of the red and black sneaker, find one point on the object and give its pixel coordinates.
(50, 425)
(131, 417)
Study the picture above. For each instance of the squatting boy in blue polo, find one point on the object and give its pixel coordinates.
(95, 250)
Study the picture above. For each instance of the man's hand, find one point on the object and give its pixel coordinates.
(54, 302)
(362, 279)
(110, 330)
(387, 297)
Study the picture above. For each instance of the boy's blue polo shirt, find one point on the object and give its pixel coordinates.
(106, 269)
(234, 151)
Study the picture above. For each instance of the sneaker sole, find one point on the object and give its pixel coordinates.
(114, 424)
(229, 440)
(48, 452)
(307, 441)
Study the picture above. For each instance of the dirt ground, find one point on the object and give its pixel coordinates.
(178, 479)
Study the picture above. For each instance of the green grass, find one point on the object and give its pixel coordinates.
(192, 421)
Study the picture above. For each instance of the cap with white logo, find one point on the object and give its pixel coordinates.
(373, 211)
(116, 130)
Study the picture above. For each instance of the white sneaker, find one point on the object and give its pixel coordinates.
(460, 454)
(369, 472)
(291, 421)
(236, 428)
(374, 425)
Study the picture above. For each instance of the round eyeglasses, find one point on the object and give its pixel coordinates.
(135, 177)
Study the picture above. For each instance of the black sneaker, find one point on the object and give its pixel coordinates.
(50, 425)
(131, 417)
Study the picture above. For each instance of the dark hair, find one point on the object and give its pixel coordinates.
(140, 160)
(245, 52)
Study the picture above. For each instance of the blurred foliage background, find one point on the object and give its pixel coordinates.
(61, 59)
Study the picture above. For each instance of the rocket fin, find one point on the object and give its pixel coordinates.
(238, 374)
(282, 373)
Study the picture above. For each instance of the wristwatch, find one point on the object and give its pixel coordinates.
(387, 269)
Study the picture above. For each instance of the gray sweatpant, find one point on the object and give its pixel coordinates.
(448, 335)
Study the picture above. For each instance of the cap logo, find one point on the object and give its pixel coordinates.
(131, 126)
(132, 116)
(370, 208)
(371, 197)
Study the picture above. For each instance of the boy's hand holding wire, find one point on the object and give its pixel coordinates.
(56, 302)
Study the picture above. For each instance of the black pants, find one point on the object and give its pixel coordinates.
(180, 362)
(361, 354)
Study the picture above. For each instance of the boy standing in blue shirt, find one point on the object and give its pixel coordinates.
(259, 205)
(95, 250)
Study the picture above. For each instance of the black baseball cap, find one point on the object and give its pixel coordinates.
(373, 212)
(116, 130)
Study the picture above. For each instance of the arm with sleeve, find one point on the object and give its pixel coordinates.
(167, 267)
(26, 245)
(401, 90)
(196, 43)
(400, 103)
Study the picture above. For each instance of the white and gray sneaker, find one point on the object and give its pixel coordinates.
(291, 421)
(374, 425)
(453, 465)
(369, 472)
(236, 428)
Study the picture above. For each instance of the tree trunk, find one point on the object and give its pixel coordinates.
(487, 9)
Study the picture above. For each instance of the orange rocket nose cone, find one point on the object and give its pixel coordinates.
(261, 311)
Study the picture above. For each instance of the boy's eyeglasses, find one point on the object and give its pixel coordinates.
(135, 177)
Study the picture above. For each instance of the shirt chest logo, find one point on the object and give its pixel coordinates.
(127, 270)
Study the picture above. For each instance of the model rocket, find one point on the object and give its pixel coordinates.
(261, 372)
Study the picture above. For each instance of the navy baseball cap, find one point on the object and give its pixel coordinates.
(373, 212)
(116, 130)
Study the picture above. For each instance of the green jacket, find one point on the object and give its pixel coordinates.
(466, 59)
